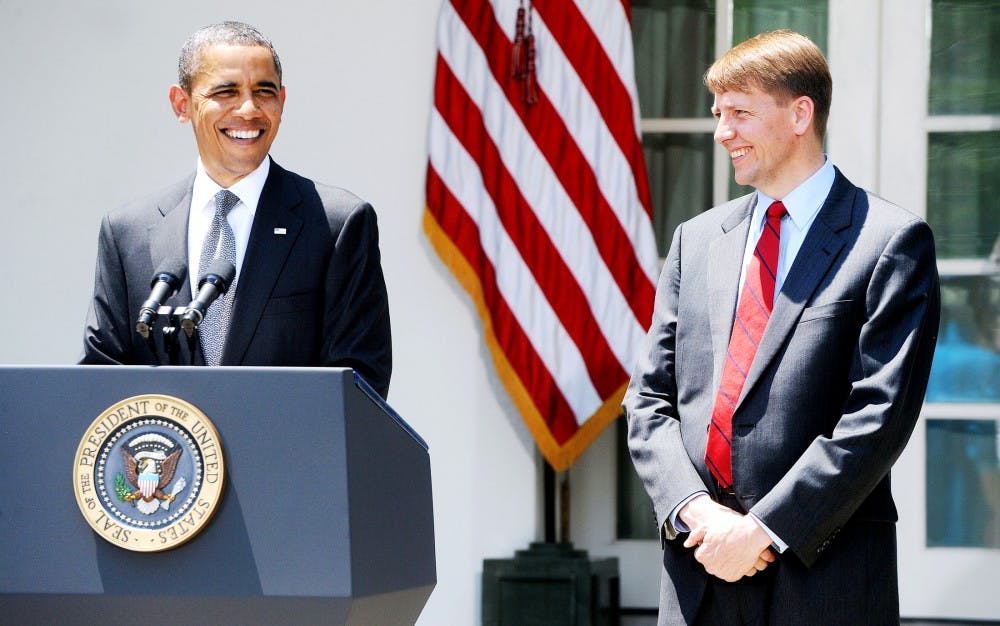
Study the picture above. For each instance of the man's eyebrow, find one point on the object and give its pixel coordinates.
(230, 84)
(220, 86)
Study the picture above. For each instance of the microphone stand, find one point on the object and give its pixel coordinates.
(190, 333)
(193, 343)
(171, 343)
(150, 337)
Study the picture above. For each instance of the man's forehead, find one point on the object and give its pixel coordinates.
(222, 58)
(737, 97)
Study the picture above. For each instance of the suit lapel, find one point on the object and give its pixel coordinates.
(820, 248)
(165, 235)
(725, 260)
(265, 257)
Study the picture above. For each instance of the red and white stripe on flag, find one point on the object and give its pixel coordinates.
(541, 209)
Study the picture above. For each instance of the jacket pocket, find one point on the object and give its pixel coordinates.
(291, 304)
(823, 311)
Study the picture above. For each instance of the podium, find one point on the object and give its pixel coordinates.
(325, 515)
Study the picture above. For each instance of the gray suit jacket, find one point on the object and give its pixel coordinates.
(312, 295)
(830, 401)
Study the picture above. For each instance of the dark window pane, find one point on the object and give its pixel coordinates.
(809, 17)
(680, 179)
(963, 484)
(963, 185)
(965, 42)
(635, 512)
(967, 360)
(674, 44)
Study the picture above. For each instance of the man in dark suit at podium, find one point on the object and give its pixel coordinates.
(308, 288)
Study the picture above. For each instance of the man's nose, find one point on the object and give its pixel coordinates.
(248, 106)
(723, 131)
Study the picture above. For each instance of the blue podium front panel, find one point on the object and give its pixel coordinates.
(319, 473)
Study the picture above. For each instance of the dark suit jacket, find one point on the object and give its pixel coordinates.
(830, 401)
(313, 296)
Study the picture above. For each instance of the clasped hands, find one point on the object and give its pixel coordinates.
(729, 545)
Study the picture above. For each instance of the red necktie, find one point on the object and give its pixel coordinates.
(752, 313)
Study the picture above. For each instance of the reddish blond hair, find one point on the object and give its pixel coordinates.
(782, 63)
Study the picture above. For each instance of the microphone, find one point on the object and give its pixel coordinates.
(165, 283)
(213, 284)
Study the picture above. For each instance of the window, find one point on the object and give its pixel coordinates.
(963, 187)
(963, 483)
(674, 44)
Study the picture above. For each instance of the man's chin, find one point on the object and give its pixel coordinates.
(743, 178)
(231, 172)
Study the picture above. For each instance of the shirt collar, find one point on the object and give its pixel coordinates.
(803, 202)
(247, 189)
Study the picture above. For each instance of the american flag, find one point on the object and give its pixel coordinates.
(538, 202)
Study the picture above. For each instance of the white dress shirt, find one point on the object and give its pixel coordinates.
(248, 190)
(803, 204)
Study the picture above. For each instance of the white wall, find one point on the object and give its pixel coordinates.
(86, 125)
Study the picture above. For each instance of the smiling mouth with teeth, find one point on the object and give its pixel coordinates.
(243, 134)
(738, 153)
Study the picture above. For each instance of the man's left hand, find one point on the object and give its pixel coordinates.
(731, 546)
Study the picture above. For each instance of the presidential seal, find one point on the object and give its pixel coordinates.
(148, 473)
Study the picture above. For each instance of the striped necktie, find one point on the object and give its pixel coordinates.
(752, 314)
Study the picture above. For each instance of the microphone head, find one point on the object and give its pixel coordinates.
(172, 272)
(220, 273)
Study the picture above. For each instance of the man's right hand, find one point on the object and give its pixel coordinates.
(729, 545)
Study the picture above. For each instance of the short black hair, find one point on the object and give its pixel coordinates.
(230, 33)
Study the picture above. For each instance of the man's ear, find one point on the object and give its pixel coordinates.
(179, 102)
(804, 109)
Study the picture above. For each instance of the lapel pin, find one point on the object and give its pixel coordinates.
(280, 231)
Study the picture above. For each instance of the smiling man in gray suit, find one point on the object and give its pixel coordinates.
(308, 289)
(785, 368)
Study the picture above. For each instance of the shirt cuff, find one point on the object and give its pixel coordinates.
(776, 541)
(675, 522)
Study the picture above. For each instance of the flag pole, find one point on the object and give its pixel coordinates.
(556, 497)
(549, 492)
